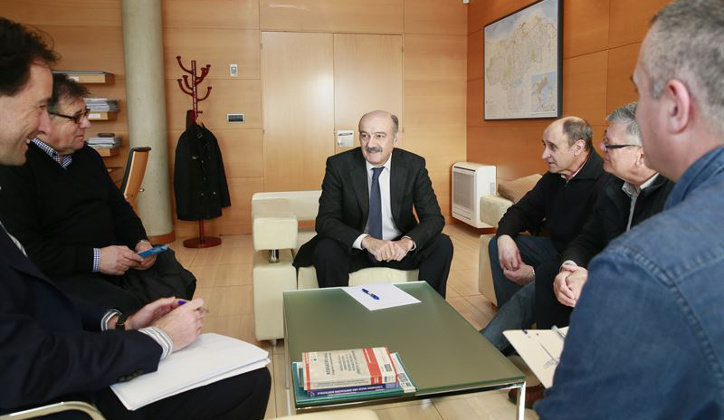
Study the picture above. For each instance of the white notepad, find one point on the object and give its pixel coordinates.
(380, 296)
(212, 357)
(540, 349)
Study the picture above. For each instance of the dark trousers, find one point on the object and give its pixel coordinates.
(549, 311)
(239, 397)
(535, 251)
(333, 262)
(129, 292)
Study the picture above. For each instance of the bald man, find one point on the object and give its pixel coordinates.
(366, 214)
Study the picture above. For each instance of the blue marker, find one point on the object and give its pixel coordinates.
(370, 294)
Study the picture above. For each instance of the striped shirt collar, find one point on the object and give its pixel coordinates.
(67, 159)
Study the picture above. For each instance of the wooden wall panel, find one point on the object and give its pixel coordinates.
(240, 14)
(435, 17)
(89, 47)
(435, 57)
(584, 81)
(374, 59)
(515, 150)
(585, 27)
(298, 109)
(621, 64)
(441, 185)
(475, 105)
(217, 47)
(352, 16)
(67, 13)
(227, 96)
(630, 20)
(475, 55)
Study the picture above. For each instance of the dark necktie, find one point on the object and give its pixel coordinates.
(375, 216)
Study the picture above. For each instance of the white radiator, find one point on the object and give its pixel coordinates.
(470, 181)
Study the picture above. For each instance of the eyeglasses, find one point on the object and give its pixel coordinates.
(605, 146)
(76, 118)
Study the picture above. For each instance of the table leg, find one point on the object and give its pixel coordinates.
(520, 407)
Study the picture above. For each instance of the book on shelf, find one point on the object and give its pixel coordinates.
(402, 385)
(353, 367)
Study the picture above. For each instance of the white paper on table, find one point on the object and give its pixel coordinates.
(540, 349)
(389, 296)
(212, 357)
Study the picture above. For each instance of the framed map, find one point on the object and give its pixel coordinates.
(522, 63)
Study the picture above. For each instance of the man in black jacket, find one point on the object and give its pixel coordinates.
(53, 347)
(560, 203)
(74, 222)
(635, 193)
(366, 214)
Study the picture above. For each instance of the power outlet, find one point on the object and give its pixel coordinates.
(233, 70)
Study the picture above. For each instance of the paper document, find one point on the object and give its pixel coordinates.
(212, 357)
(540, 349)
(380, 296)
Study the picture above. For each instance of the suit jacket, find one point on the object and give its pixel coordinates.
(610, 217)
(52, 347)
(344, 203)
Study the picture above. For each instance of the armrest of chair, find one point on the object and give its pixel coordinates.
(492, 208)
(274, 224)
(54, 408)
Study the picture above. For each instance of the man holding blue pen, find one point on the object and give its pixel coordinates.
(54, 347)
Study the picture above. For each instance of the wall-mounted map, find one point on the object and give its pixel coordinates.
(522, 64)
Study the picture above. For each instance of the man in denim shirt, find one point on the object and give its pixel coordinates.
(647, 335)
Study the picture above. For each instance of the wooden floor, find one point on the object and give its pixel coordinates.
(224, 282)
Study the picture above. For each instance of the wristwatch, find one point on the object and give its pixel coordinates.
(121, 323)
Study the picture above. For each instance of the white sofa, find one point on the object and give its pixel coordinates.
(281, 223)
(492, 209)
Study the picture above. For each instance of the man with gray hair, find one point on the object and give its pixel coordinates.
(633, 192)
(647, 335)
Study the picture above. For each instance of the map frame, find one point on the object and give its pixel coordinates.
(556, 97)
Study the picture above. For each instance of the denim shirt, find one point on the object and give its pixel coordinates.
(647, 335)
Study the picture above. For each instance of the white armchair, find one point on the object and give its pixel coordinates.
(281, 223)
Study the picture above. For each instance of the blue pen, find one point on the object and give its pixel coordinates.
(370, 294)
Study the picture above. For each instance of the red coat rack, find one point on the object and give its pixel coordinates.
(190, 88)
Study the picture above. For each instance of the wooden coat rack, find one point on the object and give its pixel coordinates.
(190, 88)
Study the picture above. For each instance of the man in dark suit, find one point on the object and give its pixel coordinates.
(366, 212)
(54, 348)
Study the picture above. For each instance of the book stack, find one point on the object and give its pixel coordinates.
(101, 104)
(367, 372)
(104, 141)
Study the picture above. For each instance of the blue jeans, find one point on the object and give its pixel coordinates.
(516, 304)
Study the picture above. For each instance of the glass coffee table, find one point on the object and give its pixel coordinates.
(441, 351)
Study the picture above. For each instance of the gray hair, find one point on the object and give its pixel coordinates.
(686, 42)
(626, 114)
